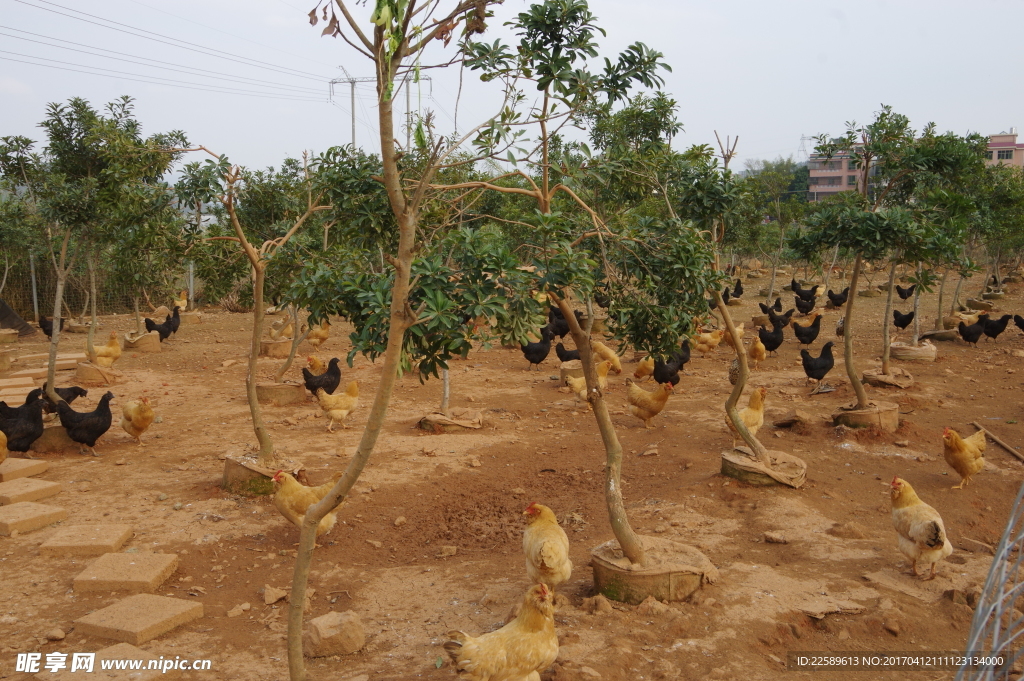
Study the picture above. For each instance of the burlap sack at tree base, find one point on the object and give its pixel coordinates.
(457, 416)
(784, 468)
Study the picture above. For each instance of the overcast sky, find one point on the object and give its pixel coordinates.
(768, 72)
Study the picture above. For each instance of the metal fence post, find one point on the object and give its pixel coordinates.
(35, 295)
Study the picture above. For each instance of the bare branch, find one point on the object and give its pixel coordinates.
(355, 27)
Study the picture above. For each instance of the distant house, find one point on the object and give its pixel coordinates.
(1003, 149)
(829, 176)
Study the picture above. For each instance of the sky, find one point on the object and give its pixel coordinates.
(256, 74)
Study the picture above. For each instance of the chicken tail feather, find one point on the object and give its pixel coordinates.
(935, 535)
(454, 645)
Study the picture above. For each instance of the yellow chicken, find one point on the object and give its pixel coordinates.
(757, 352)
(602, 374)
(316, 366)
(338, 406)
(708, 342)
(281, 329)
(319, 333)
(919, 528)
(752, 416)
(107, 354)
(181, 301)
(578, 387)
(727, 337)
(136, 417)
(605, 352)
(646, 405)
(645, 368)
(293, 499)
(963, 454)
(546, 547)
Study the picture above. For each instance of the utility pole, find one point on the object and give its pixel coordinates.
(352, 83)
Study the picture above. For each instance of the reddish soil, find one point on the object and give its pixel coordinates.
(467, 490)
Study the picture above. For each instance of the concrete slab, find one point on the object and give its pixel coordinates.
(121, 651)
(133, 572)
(45, 356)
(86, 540)
(28, 515)
(13, 468)
(139, 618)
(30, 373)
(27, 489)
(17, 382)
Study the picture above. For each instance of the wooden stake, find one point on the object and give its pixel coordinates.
(1020, 457)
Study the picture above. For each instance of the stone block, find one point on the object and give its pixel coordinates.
(92, 374)
(54, 439)
(45, 356)
(86, 540)
(8, 336)
(133, 572)
(241, 477)
(5, 361)
(17, 382)
(38, 372)
(276, 348)
(336, 633)
(121, 651)
(147, 342)
(14, 468)
(280, 394)
(27, 516)
(140, 618)
(27, 489)
(190, 318)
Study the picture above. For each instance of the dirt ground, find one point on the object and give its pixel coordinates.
(468, 490)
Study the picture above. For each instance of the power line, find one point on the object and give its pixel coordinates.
(149, 80)
(214, 28)
(299, 89)
(208, 51)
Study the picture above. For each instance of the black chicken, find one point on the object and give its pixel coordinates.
(69, 395)
(559, 326)
(902, 321)
(771, 339)
(47, 326)
(86, 428)
(1019, 321)
(839, 299)
(175, 320)
(22, 425)
(905, 293)
(804, 306)
(329, 380)
(668, 372)
(537, 352)
(805, 294)
(807, 334)
(163, 329)
(994, 327)
(781, 319)
(778, 304)
(602, 300)
(971, 334)
(764, 308)
(726, 295)
(737, 290)
(816, 368)
(566, 355)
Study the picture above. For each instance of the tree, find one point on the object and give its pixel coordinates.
(770, 185)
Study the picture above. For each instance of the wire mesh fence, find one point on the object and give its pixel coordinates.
(998, 622)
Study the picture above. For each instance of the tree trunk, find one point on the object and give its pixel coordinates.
(266, 453)
(90, 349)
(297, 339)
(51, 368)
(917, 304)
(629, 542)
(956, 295)
(446, 395)
(942, 291)
(741, 383)
(886, 319)
(851, 370)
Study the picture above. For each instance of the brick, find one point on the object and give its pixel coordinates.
(13, 468)
(27, 489)
(140, 618)
(121, 651)
(132, 572)
(86, 540)
(17, 382)
(28, 515)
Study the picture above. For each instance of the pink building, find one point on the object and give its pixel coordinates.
(1004, 149)
(830, 176)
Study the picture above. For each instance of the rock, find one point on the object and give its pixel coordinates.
(374, 543)
(239, 609)
(849, 530)
(651, 450)
(55, 635)
(973, 595)
(902, 443)
(336, 633)
(272, 595)
(956, 595)
(475, 463)
(400, 520)
(844, 634)
(161, 497)
(448, 551)
(597, 605)
(651, 607)
(794, 417)
(592, 673)
(228, 362)
(775, 538)
(892, 626)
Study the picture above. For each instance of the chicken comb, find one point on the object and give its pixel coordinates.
(895, 479)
